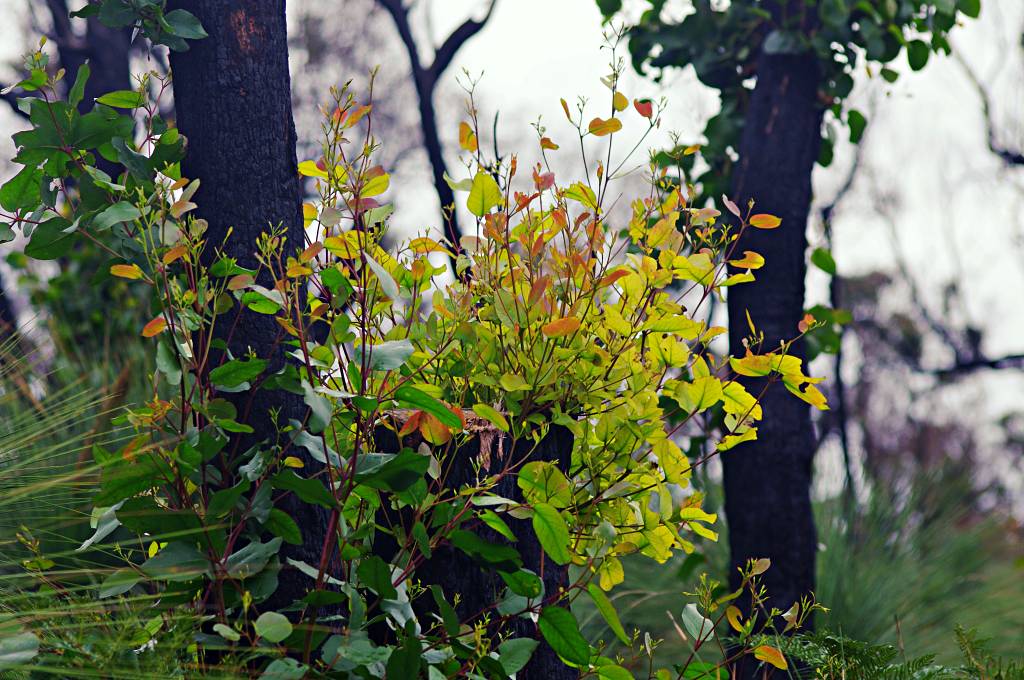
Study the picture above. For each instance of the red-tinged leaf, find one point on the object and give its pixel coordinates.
(467, 138)
(644, 107)
(770, 655)
(240, 281)
(806, 323)
(310, 253)
(731, 206)
(547, 144)
(537, 290)
(599, 127)
(765, 221)
(357, 115)
(411, 425)
(543, 181)
(126, 271)
(154, 327)
(561, 327)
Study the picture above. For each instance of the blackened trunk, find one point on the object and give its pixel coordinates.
(767, 482)
(479, 588)
(233, 102)
(435, 154)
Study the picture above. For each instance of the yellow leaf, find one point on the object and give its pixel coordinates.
(467, 138)
(293, 462)
(483, 195)
(619, 101)
(692, 149)
(765, 221)
(311, 169)
(599, 127)
(425, 244)
(561, 327)
(126, 271)
(770, 655)
(308, 214)
(750, 260)
(734, 617)
(565, 107)
(154, 327)
(345, 245)
(376, 186)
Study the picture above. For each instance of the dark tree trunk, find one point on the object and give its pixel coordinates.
(767, 482)
(8, 320)
(435, 154)
(457, 574)
(233, 102)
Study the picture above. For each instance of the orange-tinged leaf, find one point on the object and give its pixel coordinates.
(760, 566)
(467, 138)
(561, 327)
(433, 430)
(613, 277)
(537, 290)
(733, 615)
(411, 425)
(806, 323)
(765, 221)
(174, 254)
(126, 271)
(619, 101)
(599, 127)
(645, 108)
(770, 655)
(565, 107)
(154, 327)
(750, 260)
(546, 143)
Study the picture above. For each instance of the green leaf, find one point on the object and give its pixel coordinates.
(281, 524)
(251, 559)
(236, 372)
(607, 609)
(822, 259)
(17, 649)
(492, 415)
(119, 582)
(514, 654)
(483, 195)
(309, 490)
(494, 521)
(223, 501)
(21, 192)
(917, 54)
(696, 624)
(387, 282)
(523, 582)
(273, 626)
(500, 557)
(184, 25)
(387, 356)
(616, 672)
(542, 482)
(121, 99)
(375, 574)
(397, 474)
(320, 409)
(49, 240)
(552, 532)
(122, 211)
(559, 628)
(971, 8)
(177, 562)
(411, 397)
(608, 8)
(857, 123)
(227, 632)
(77, 91)
(285, 669)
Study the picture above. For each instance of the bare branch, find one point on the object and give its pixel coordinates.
(1009, 156)
(454, 42)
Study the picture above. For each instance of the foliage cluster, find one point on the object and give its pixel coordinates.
(546, 320)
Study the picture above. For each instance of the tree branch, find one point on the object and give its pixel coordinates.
(1009, 156)
(454, 42)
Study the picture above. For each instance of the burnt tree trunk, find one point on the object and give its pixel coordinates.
(767, 481)
(233, 102)
(478, 588)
